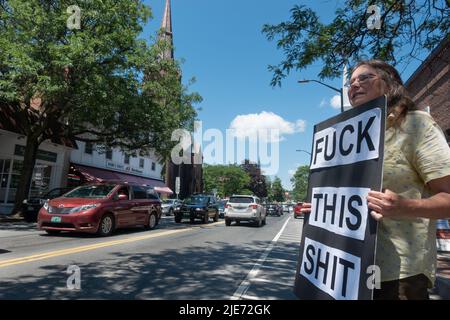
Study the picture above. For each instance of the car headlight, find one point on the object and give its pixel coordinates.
(177, 209)
(199, 209)
(84, 208)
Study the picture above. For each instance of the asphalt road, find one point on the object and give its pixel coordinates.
(174, 261)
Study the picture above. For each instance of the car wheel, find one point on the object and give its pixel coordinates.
(106, 226)
(227, 222)
(53, 232)
(264, 221)
(152, 221)
(216, 217)
(259, 223)
(177, 219)
(238, 222)
(206, 218)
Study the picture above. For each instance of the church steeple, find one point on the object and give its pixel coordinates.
(166, 31)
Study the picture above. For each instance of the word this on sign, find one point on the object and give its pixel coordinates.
(342, 211)
(347, 142)
(334, 271)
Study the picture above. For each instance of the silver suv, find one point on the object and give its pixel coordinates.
(245, 208)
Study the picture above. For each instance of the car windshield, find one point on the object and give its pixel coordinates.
(95, 191)
(241, 200)
(56, 193)
(196, 200)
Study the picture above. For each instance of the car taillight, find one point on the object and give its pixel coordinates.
(254, 206)
(228, 206)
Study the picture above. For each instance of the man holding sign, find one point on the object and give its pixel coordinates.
(415, 172)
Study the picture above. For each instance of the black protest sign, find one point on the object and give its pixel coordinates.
(337, 251)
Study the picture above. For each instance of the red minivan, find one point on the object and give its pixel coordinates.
(101, 208)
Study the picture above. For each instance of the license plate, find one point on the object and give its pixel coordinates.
(56, 219)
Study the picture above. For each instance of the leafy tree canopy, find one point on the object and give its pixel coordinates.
(300, 183)
(101, 80)
(406, 29)
(228, 180)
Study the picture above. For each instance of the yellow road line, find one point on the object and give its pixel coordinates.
(62, 252)
(58, 253)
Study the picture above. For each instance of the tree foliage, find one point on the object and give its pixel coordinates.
(408, 28)
(90, 79)
(300, 183)
(227, 179)
(276, 192)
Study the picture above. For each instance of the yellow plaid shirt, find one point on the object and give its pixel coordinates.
(415, 154)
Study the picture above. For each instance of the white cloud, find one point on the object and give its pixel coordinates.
(335, 102)
(250, 125)
(291, 172)
(323, 103)
(301, 125)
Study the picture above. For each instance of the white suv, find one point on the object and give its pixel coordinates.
(245, 208)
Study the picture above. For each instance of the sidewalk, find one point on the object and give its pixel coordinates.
(442, 284)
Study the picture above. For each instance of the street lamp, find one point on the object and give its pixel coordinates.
(300, 150)
(341, 94)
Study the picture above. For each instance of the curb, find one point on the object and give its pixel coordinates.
(442, 286)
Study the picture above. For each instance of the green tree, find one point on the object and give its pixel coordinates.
(228, 180)
(300, 183)
(407, 29)
(277, 191)
(90, 79)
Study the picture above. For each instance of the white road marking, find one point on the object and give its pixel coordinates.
(245, 285)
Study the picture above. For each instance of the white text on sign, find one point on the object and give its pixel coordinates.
(342, 211)
(347, 142)
(331, 270)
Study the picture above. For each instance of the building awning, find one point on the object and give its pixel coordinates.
(165, 190)
(101, 175)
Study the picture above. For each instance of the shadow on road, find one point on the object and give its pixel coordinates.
(211, 271)
(17, 226)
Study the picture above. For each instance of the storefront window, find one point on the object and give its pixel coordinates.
(40, 180)
(4, 174)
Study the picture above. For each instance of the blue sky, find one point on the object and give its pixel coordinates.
(223, 47)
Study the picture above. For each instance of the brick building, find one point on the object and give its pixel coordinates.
(429, 85)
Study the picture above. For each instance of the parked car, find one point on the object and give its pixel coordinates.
(245, 208)
(285, 208)
(198, 206)
(221, 206)
(297, 210)
(101, 208)
(31, 207)
(168, 206)
(274, 209)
